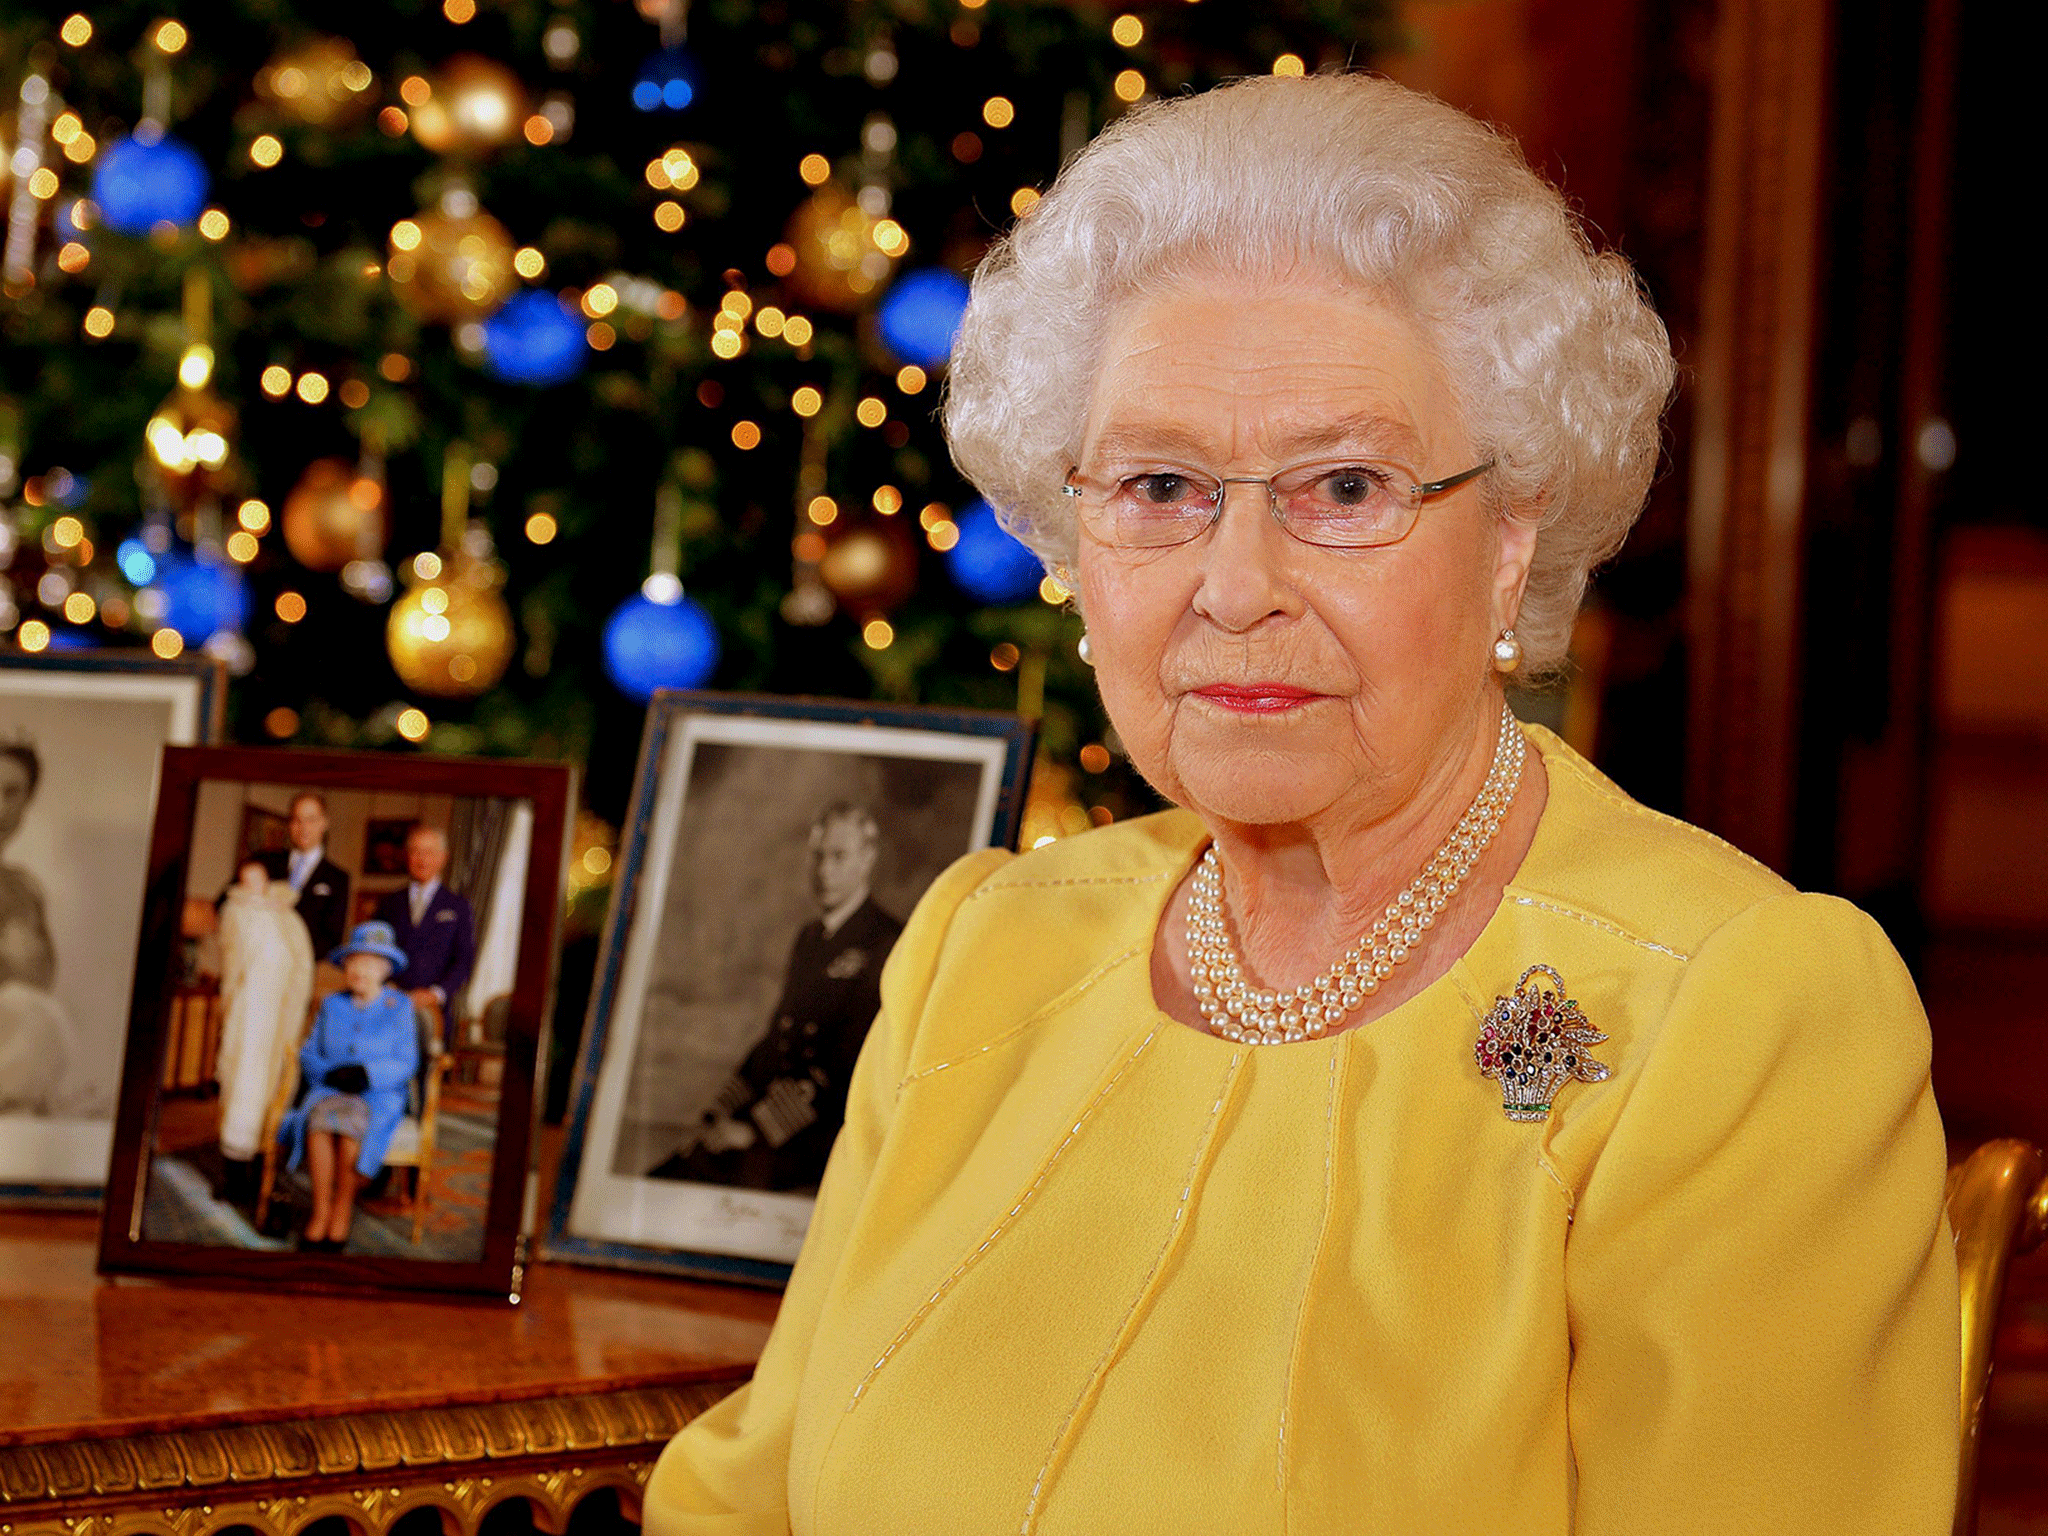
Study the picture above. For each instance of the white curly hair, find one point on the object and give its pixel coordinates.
(1559, 364)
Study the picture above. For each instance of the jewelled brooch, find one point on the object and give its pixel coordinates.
(1534, 1043)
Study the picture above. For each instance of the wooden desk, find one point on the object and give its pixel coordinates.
(143, 1406)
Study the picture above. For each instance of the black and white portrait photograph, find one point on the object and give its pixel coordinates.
(337, 1051)
(80, 739)
(776, 863)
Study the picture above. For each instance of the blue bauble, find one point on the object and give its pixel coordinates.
(203, 595)
(533, 340)
(141, 183)
(650, 645)
(920, 314)
(988, 563)
(667, 82)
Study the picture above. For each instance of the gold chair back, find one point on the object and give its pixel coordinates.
(1997, 1207)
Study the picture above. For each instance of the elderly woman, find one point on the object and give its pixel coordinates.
(1411, 1133)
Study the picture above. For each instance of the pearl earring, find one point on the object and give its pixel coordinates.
(1507, 652)
(1087, 651)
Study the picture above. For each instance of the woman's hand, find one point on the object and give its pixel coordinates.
(349, 1077)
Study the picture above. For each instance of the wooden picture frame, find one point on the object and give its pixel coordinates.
(739, 801)
(170, 1208)
(87, 727)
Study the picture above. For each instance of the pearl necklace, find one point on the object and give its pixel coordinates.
(1235, 1009)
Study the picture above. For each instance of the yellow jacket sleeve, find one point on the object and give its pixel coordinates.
(727, 1474)
(1761, 1284)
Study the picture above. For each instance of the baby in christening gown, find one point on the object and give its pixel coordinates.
(266, 984)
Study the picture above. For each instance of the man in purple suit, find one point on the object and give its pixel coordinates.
(435, 927)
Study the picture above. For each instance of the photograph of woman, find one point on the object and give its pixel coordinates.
(361, 1054)
(35, 1033)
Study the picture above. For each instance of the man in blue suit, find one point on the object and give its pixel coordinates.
(435, 927)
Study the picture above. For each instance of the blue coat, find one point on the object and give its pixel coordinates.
(381, 1037)
(441, 951)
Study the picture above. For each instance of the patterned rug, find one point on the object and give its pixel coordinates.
(181, 1205)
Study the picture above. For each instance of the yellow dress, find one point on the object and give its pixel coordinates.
(1078, 1269)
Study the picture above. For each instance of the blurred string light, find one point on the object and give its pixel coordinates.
(672, 170)
(265, 151)
(998, 112)
(666, 82)
(1291, 65)
(77, 30)
(814, 168)
(170, 37)
(99, 322)
(1023, 200)
(290, 607)
(807, 401)
(1127, 30)
(1129, 85)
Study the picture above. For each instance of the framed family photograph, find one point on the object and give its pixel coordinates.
(774, 849)
(330, 1071)
(81, 736)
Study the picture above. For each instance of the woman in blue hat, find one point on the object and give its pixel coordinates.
(360, 1055)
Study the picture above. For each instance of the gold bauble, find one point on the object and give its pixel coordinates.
(451, 638)
(870, 568)
(321, 83)
(838, 264)
(451, 267)
(335, 515)
(473, 105)
(190, 439)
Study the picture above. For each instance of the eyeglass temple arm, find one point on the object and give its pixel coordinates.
(1435, 486)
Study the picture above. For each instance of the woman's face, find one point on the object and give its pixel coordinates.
(1254, 678)
(365, 974)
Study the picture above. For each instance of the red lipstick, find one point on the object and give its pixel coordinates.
(1256, 698)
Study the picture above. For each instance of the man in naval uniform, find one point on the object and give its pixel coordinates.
(773, 1123)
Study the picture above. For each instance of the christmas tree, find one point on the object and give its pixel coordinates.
(459, 372)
